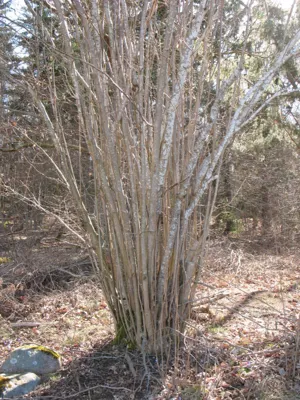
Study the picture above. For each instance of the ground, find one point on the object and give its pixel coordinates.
(242, 341)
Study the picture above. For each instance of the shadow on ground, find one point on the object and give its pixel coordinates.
(241, 356)
(108, 372)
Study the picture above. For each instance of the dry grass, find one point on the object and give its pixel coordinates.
(242, 342)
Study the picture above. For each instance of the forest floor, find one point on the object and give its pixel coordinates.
(242, 341)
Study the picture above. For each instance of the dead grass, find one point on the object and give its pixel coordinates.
(242, 342)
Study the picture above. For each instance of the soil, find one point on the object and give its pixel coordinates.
(242, 341)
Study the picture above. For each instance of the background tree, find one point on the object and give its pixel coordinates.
(258, 187)
(23, 148)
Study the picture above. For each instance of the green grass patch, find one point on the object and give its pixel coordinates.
(194, 392)
(4, 260)
(216, 329)
(7, 224)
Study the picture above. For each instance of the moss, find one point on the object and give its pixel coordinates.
(131, 345)
(121, 338)
(40, 348)
(120, 335)
(3, 381)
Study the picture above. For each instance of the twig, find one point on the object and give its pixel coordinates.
(75, 394)
(25, 324)
(130, 364)
(92, 388)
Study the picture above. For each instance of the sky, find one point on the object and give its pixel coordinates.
(16, 6)
(286, 4)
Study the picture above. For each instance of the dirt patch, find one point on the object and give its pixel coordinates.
(249, 305)
(106, 372)
(242, 342)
